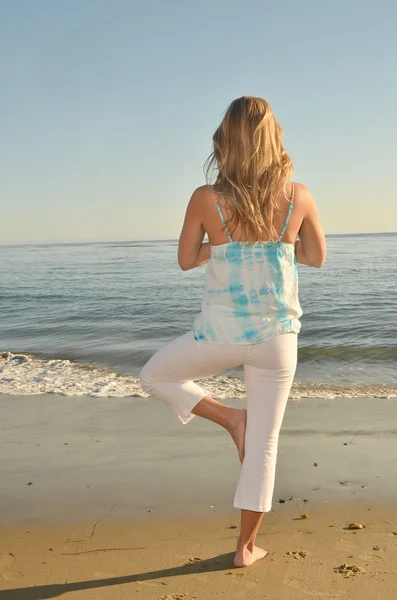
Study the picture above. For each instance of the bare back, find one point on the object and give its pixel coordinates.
(216, 231)
(204, 216)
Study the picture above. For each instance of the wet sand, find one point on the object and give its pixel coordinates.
(120, 500)
(83, 455)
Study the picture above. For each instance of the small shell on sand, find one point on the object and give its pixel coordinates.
(304, 516)
(356, 526)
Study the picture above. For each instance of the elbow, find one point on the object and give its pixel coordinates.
(317, 265)
(185, 266)
(184, 261)
(318, 262)
(317, 258)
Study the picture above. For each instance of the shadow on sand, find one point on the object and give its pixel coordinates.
(222, 562)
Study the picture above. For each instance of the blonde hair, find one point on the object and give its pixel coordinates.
(252, 166)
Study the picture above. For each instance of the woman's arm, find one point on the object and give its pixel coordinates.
(192, 252)
(311, 247)
(204, 254)
(300, 254)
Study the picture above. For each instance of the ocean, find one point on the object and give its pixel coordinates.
(82, 318)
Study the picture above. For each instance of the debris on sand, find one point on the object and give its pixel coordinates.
(356, 526)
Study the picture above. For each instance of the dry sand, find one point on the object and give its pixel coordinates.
(192, 558)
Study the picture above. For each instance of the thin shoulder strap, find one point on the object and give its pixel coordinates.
(221, 215)
(291, 203)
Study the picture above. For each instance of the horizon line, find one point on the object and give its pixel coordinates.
(169, 240)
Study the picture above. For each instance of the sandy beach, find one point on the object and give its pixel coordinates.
(114, 498)
(191, 558)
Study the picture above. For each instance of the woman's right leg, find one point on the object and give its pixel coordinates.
(169, 376)
(268, 375)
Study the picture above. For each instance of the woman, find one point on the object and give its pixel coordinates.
(250, 310)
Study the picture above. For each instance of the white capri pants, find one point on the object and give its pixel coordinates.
(269, 369)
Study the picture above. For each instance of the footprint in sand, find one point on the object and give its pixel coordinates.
(11, 575)
(348, 570)
(297, 554)
(192, 561)
(7, 561)
(151, 583)
(301, 585)
(370, 557)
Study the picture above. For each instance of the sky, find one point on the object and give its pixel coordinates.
(107, 109)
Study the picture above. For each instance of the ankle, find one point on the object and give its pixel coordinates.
(228, 419)
(232, 418)
(247, 546)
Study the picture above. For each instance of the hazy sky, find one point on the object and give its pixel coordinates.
(107, 108)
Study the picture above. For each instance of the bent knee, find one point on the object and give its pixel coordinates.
(146, 380)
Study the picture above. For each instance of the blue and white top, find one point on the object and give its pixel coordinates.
(250, 291)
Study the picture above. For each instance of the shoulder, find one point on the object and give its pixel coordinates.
(203, 192)
(201, 197)
(301, 191)
(302, 195)
(305, 202)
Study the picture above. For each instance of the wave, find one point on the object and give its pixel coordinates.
(345, 352)
(23, 374)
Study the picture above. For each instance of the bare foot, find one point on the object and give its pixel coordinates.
(245, 557)
(237, 430)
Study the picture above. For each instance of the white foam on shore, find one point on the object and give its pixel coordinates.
(22, 374)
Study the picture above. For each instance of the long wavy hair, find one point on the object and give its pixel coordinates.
(252, 167)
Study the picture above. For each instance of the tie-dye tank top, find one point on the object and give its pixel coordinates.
(250, 291)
